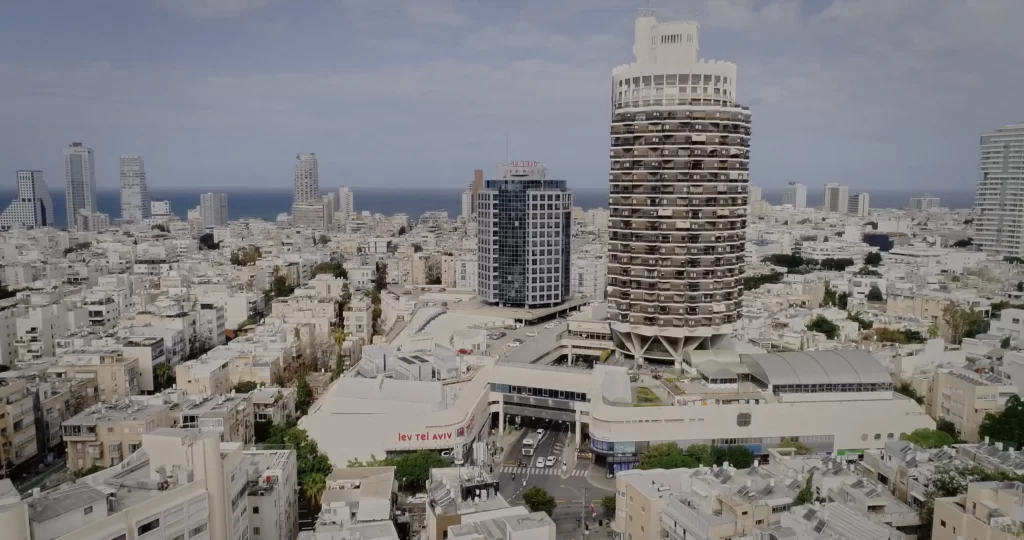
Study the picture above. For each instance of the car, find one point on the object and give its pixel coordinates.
(540, 432)
(550, 461)
(406, 293)
(517, 342)
(531, 334)
(540, 462)
(549, 326)
(442, 289)
(499, 335)
(457, 300)
(512, 344)
(444, 304)
(431, 304)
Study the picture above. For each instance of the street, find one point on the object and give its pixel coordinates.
(569, 492)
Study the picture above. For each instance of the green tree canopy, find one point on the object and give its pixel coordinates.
(1006, 426)
(928, 438)
(334, 268)
(806, 493)
(704, 454)
(875, 294)
(244, 387)
(873, 259)
(822, 325)
(303, 395)
(666, 456)
(798, 447)
(538, 499)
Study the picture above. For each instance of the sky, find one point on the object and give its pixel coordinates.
(877, 94)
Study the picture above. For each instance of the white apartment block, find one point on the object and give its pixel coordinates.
(135, 205)
(33, 207)
(859, 205)
(273, 493)
(160, 209)
(213, 209)
(837, 198)
(91, 221)
(8, 331)
(211, 325)
(925, 203)
(588, 278)
(466, 272)
(999, 201)
(80, 176)
(359, 318)
(795, 195)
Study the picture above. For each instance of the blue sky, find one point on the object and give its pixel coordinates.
(878, 94)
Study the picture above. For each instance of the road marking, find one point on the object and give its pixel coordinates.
(543, 472)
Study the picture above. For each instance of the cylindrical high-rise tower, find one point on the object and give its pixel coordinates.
(680, 151)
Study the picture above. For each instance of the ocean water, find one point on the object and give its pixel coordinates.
(267, 204)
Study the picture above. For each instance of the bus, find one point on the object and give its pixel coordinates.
(527, 447)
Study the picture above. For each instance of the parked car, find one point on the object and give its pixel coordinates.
(549, 326)
(540, 432)
(406, 292)
(531, 334)
(512, 344)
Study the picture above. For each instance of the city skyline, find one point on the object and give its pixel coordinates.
(817, 69)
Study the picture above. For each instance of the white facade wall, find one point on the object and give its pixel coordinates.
(80, 176)
(33, 207)
(795, 195)
(999, 201)
(589, 277)
(466, 272)
(213, 209)
(307, 180)
(837, 198)
(135, 205)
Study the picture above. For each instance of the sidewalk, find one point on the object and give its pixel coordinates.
(505, 441)
(569, 458)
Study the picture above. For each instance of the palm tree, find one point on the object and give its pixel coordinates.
(313, 488)
(163, 374)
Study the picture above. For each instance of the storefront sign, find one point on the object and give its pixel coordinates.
(425, 436)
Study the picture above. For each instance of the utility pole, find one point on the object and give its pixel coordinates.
(583, 511)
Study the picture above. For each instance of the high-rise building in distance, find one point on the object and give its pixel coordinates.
(753, 195)
(524, 237)
(213, 208)
(999, 201)
(160, 209)
(859, 204)
(925, 203)
(837, 198)
(307, 180)
(80, 180)
(33, 208)
(795, 195)
(680, 152)
(134, 193)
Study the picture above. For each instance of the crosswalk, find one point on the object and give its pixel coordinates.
(551, 471)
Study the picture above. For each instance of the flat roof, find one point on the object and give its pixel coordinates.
(61, 502)
(848, 366)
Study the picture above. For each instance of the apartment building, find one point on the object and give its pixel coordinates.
(181, 484)
(150, 354)
(104, 435)
(117, 376)
(17, 423)
(211, 325)
(965, 397)
(357, 497)
(988, 511)
(8, 330)
(1010, 323)
(274, 405)
(59, 400)
(273, 490)
(230, 415)
(359, 319)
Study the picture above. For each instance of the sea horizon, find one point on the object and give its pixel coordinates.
(268, 202)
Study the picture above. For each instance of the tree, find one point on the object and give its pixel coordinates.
(244, 387)
(873, 259)
(324, 240)
(311, 462)
(960, 322)
(334, 268)
(829, 297)
(246, 256)
(413, 470)
(928, 438)
(1020, 286)
(963, 242)
(785, 260)
(858, 318)
(875, 294)
(933, 331)
(867, 271)
(537, 499)
(666, 456)
(608, 504)
(843, 300)
(704, 454)
(380, 276)
(822, 325)
(806, 493)
(303, 395)
(949, 428)
(738, 456)
(798, 447)
(1005, 343)
(401, 230)
(280, 287)
(1008, 425)
(163, 375)
(159, 227)
(755, 282)
(904, 388)
(313, 488)
(206, 242)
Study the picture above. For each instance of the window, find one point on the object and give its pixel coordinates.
(942, 522)
(743, 419)
(878, 436)
(255, 509)
(88, 510)
(864, 437)
(149, 526)
(197, 531)
(179, 537)
(255, 530)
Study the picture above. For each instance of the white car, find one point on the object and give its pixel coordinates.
(540, 432)
(512, 344)
(549, 325)
(551, 461)
(540, 462)
(531, 334)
